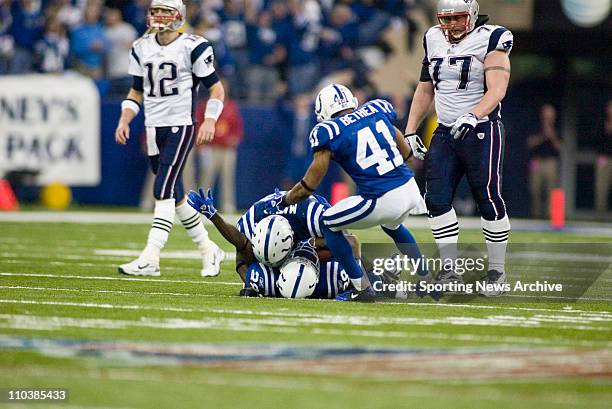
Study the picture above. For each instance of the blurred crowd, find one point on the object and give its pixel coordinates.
(262, 47)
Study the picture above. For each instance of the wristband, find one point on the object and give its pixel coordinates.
(131, 105)
(213, 108)
(305, 186)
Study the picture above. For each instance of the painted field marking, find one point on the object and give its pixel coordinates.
(82, 290)
(57, 323)
(537, 321)
(132, 279)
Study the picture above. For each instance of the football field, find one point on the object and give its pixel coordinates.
(69, 320)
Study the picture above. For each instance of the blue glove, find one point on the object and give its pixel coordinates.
(464, 125)
(202, 203)
(273, 206)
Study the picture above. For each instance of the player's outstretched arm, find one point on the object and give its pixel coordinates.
(497, 75)
(311, 180)
(204, 203)
(421, 105)
(129, 109)
(214, 107)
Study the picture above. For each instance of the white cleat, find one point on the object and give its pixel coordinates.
(496, 284)
(140, 267)
(212, 256)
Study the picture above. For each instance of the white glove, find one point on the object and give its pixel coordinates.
(464, 125)
(418, 149)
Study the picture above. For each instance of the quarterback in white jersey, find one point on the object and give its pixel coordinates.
(167, 68)
(466, 69)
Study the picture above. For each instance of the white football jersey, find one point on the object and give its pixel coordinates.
(170, 76)
(457, 70)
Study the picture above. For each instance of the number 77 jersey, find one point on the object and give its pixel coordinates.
(457, 70)
(170, 76)
(363, 144)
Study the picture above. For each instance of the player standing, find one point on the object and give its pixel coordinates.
(372, 151)
(466, 70)
(167, 68)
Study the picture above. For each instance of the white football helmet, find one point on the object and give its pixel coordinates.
(299, 274)
(167, 22)
(333, 99)
(272, 240)
(457, 8)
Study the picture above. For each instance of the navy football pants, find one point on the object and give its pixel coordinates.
(174, 144)
(479, 156)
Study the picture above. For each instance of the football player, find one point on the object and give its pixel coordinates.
(167, 69)
(364, 141)
(257, 235)
(465, 70)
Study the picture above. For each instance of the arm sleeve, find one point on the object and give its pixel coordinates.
(320, 137)
(425, 64)
(501, 40)
(135, 68)
(202, 60)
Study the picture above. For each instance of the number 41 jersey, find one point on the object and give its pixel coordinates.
(170, 76)
(457, 70)
(363, 143)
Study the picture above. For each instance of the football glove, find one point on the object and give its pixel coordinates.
(464, 125)
(202, 203)
(273, 206)
(416, 144)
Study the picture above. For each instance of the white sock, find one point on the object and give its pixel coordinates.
(496, 234)
(192, 222)
(163, 218)
(445, 230)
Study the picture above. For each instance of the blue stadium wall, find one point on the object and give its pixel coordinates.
(262, 158)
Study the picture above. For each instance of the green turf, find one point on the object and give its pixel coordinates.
(36, 302)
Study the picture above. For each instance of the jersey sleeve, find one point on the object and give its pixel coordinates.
(246, 223)
(135, 67)
(321, 135)
(313, 217)
(262, 279)
(501, 39)
(386, 108)
(425, 64)
(202, 59)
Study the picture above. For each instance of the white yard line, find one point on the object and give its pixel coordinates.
(81, 290)
(557, 321)
(133, 279)
(56, 323)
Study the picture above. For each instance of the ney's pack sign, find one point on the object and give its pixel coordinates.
(51, 124)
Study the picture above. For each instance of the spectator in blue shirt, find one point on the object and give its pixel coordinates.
(338, 39)
(264, 54)
(89, 44)
(27, 29)
(302, 58)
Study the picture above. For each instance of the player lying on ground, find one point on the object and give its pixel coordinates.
(372, 151)
(267, 261)
(167, 68)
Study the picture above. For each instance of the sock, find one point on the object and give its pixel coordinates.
(496, 234)
(163, 218)
(445, 230)
(342, 251)
(192, 222)
(406, 244)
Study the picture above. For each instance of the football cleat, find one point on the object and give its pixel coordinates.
(140, 267)
(448, 276)
(367, 295)
(495, 283)
(212, 256)
(423, 292)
